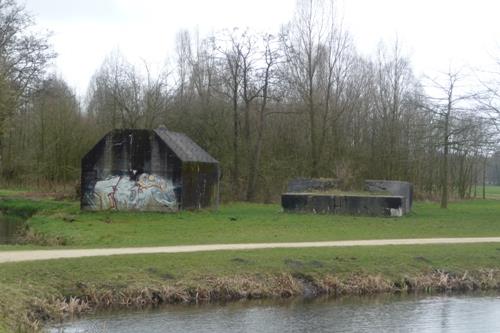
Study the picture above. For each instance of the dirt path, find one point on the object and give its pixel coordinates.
(15, 256)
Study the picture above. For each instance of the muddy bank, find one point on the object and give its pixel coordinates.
(90, 298)
(21, 211)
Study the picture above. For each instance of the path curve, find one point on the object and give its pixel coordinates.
(16, 256)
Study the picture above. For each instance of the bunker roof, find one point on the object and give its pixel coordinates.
(185, 148)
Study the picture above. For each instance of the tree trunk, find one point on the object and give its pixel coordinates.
(444, 177)
(484, 177)
(236, 152)
(255, 162)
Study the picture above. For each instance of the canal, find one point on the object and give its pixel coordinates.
(383, 313)
(10, 228)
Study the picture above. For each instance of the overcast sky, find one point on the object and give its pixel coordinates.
(434, 33)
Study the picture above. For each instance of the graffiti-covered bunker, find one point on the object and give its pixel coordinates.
(148, 170)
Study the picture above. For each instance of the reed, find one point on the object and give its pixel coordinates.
(283, 285)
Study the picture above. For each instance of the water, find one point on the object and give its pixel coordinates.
(387, 313)
(10, 226)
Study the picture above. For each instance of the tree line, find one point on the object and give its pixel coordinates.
(302, 102)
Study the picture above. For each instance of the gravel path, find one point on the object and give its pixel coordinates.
(15, 256)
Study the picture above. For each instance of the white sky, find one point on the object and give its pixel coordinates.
(434, 33)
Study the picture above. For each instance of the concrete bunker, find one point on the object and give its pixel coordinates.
(325, 196)
(148, 170)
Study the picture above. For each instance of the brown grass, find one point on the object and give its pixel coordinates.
(212, 289)
(29, 236)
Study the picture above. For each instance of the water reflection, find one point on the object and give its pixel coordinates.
(388, 313)
(10, 226)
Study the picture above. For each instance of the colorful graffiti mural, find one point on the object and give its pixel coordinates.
(147, 192)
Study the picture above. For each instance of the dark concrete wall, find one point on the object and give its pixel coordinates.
(131, 170)
(394, 187)
(199, 185)
(388, 192)
(333, 204)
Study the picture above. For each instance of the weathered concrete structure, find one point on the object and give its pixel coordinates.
(381, 198)
(394, 187)
(148, 170)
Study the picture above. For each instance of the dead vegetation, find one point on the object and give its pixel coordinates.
(213, 289)
(29, 236)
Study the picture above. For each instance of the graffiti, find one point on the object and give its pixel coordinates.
(148, 192)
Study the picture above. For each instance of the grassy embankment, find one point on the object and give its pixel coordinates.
(61, 223)
(34, 292)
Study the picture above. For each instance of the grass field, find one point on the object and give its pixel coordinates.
(492, 192)
(56, 223)
(29, 288)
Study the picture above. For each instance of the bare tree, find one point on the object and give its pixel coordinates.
(449, 103)
(122, 97)
(24, 55)
(45, 142)
(315, 46)
(156, 97)
(393, 92)
(231, 47)
(271, 58)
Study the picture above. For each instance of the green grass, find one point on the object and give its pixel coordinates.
(22, 283)
(248, 223)
(391, 261)
(492, 192)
